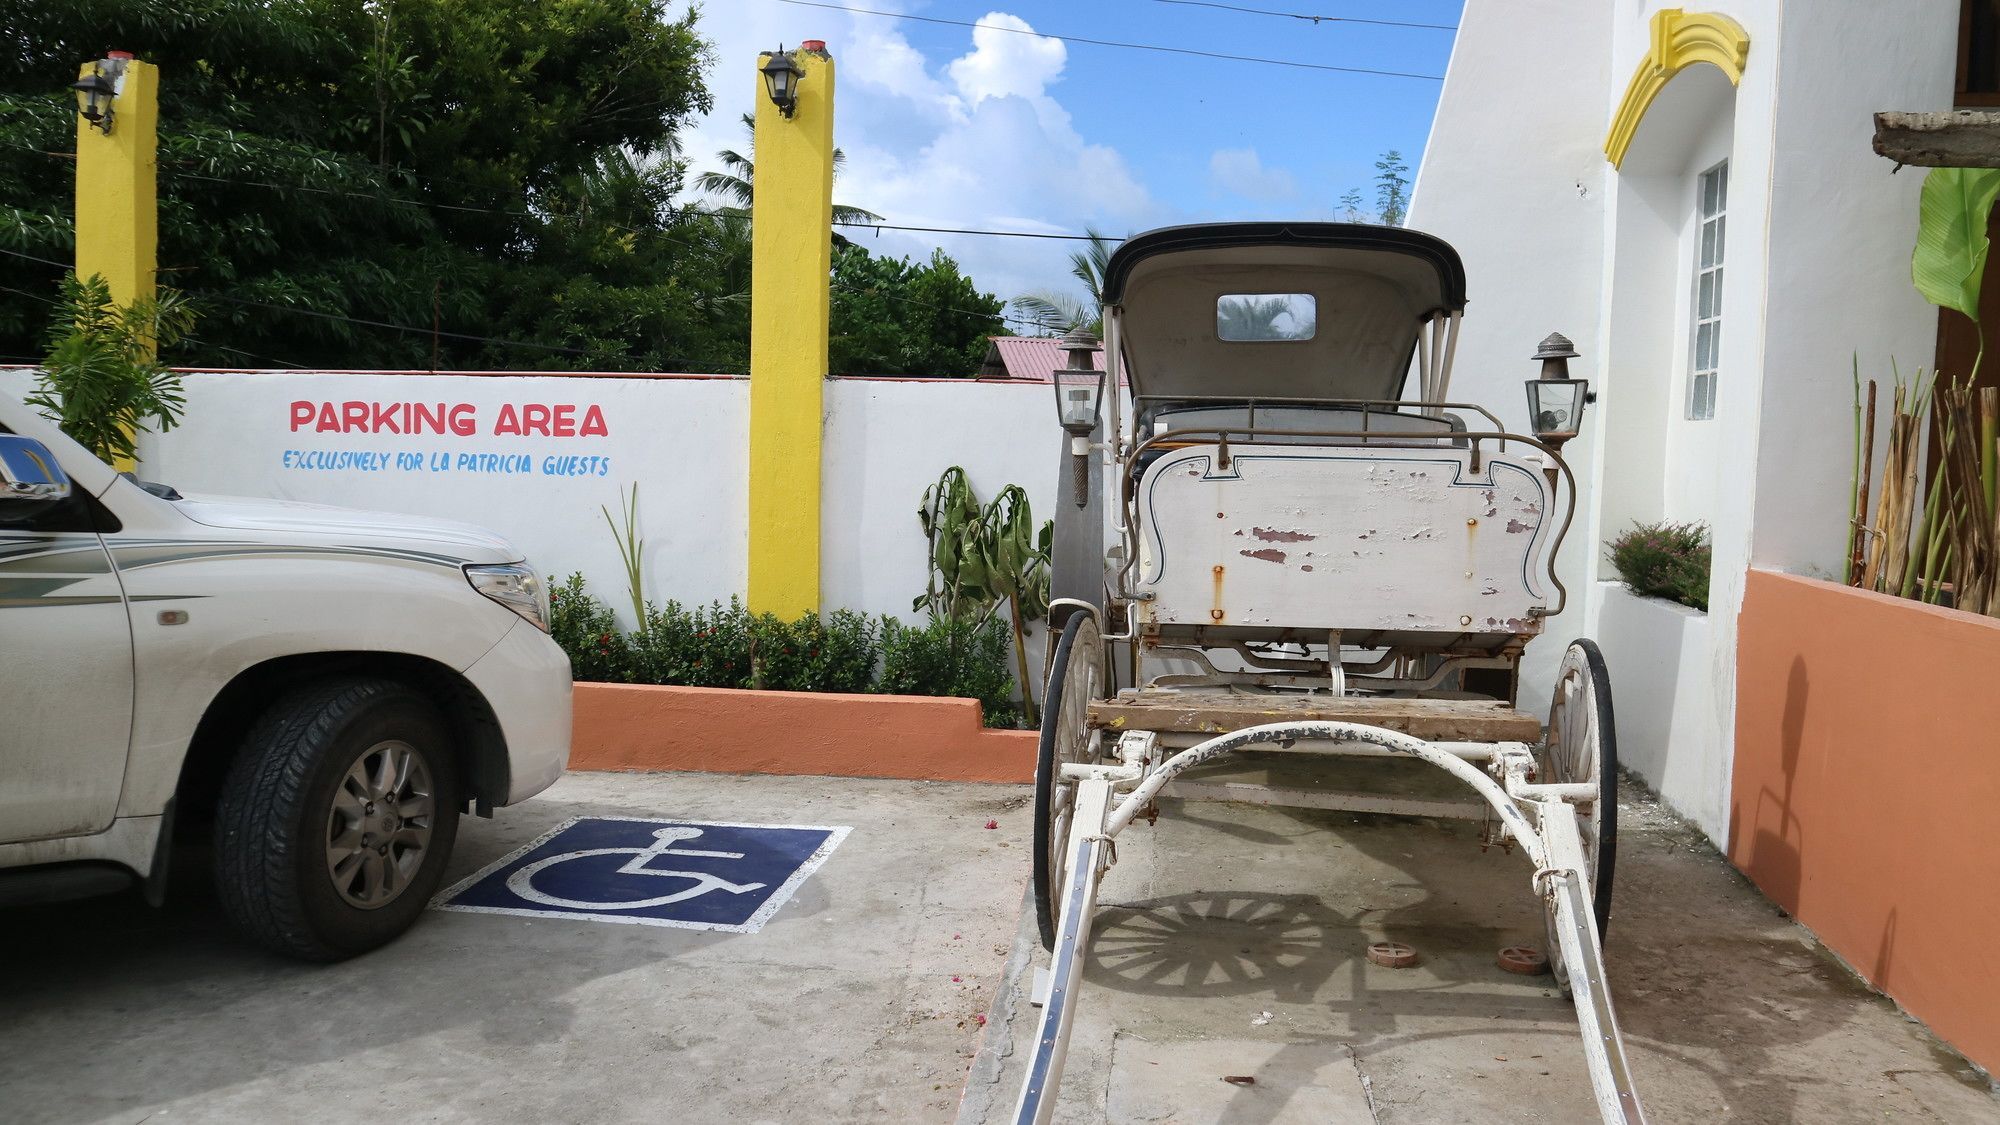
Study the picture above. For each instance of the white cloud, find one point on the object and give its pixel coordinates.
(1004, 63)
(977, 142)
(1239, 171)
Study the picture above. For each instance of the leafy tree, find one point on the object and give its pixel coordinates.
(1350, 205)
(506, 171)
(892, 316)
(736, 183)
(1058, 312)
(1262, 318)
(1392, 188)
(500, 168)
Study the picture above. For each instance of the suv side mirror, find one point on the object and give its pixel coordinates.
(31, 481)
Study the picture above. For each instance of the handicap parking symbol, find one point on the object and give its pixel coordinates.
(685, 873)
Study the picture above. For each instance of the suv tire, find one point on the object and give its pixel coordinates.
(337, 818)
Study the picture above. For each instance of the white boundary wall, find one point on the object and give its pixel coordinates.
(684, 440)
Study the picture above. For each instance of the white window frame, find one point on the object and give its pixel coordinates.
(1711, 208)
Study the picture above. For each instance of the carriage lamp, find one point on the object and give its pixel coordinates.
(1556, 401)
(781, 80)
(1079, 402)
(96, 92)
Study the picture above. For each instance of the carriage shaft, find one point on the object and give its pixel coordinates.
(1551, 841)
(1562, 881)
(1089, 851)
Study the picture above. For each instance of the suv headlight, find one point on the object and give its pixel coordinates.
(516, 586)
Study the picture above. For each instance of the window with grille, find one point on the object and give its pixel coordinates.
(1704, 356)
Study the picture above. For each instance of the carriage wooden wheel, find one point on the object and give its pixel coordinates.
(1078, 674)
(1581, 747)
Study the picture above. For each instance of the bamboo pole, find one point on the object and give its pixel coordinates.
(1858, 558)
(1885, 500)
(1847, 562)
(1920, 561)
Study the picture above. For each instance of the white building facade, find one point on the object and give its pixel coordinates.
(1690, 196)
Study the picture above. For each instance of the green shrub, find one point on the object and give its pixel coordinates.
(836, 652)
(1665, 560)
(598, 650)
(715, 645)
(708, 646)
(952, 658)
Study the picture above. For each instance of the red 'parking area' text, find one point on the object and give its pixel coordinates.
(461, 419)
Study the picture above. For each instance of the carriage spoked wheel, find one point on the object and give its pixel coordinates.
(1078, 673)
(1581, 746)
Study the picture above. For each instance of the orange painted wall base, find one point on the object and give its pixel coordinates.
(721, 730)
(1866, 783)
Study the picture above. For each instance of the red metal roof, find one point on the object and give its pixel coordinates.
(1030, 359)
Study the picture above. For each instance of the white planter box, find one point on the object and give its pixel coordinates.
(1670, 694)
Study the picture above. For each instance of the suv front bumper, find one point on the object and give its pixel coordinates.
(526, 680)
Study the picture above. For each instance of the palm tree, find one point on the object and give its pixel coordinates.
(1261, 318)
(1061, 312)
(737, 181)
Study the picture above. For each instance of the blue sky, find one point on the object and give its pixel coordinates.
(957, 126)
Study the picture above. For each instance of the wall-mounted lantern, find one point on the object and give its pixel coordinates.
(1079, 403)
(781, 80)
(1556, 401)
(97, 91)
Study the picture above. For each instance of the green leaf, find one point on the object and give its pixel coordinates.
(1951, 236)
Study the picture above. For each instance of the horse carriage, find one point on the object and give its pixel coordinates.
(1273, 545)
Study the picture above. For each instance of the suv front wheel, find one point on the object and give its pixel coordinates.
(337, 819)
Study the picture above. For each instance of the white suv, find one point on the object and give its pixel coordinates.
(318, 691)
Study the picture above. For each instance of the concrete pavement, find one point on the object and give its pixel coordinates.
(1231, 942)
(1229, 945)
(859, 1001)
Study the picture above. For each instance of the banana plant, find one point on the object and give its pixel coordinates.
(984, 556)
(955, 531)
(1020, 573)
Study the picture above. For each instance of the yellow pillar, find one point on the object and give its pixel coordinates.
(791, 258)
(117, 208)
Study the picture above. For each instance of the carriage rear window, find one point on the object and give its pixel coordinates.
(1241, 317)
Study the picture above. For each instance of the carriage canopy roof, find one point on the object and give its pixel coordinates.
(1278, 310)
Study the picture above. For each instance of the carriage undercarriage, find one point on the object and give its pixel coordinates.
(1107, 779)
(1319, 569)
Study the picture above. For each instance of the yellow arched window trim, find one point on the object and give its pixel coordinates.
(1679, 41)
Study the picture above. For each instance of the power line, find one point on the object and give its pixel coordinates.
(677, 215)
(192, 339)
(295, 310)
(338, 317)
(1001, 316)
(33, 258)
(28, 295)
(989, 233)
(1116, 43)
(419, 330)
(1314, 19)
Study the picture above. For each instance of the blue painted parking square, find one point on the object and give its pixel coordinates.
(686, 873)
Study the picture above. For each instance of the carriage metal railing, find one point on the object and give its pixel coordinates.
(1368, 406)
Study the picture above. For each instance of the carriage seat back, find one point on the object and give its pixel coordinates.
(1350, 538)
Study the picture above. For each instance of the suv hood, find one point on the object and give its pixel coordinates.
(288, 520)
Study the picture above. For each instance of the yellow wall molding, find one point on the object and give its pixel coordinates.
(1679, 41)
(791, 248)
